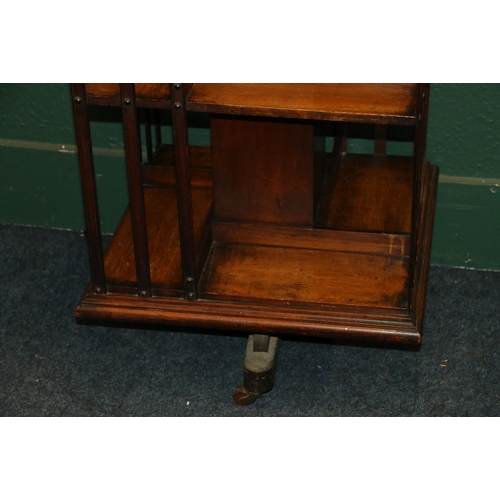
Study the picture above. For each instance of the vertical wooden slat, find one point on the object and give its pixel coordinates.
(134, 160)
(149, 142)
(343, 138)
(419, 148)
(89, 188)
(157, 125)
(183, 185)
(380, 139)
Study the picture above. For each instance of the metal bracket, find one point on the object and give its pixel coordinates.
(261, 343)
(259, 368)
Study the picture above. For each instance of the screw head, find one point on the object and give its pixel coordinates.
(78, 100)
(177, 105)
(190, 296)
(127, 102)
(143, 293)
(177, 86)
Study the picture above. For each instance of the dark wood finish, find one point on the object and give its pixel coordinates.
(333, 322)
(133, 157)
(420, 140)
(266, 274)
(369, 103)
(89, 188)
(380, 139)
(155, 114)
(148, 136)
(161, 172)
(163, 242)
(264, 170)
(140, 103)
(148, 95)
(314, 239)
(263, 235)
(184, 194)
(331, 172)
(142, 90)
(371, 193)
(421, 266)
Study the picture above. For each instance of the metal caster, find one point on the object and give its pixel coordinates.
(259, 369)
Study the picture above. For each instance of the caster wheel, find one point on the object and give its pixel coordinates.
(243, 396)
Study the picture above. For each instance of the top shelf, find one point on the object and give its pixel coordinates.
(148, 95)
(394, 103)
(354, 102)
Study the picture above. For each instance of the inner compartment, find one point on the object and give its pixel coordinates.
(277, 219)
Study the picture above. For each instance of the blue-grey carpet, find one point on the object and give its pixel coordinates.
(52, 366)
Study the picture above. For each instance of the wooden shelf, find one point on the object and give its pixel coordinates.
(368, 103)
(163, 242)
(368, 193)
(152, 95)
(306, 277)
(353, 102)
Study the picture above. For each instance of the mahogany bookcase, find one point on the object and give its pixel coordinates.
(264, 231)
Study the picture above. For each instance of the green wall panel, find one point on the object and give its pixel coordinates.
(36, 112)
(464, 129)
(42, 188)
(466, 226)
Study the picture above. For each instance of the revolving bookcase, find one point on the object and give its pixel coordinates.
(264, 231)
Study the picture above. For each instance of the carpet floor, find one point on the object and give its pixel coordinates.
(51, 365)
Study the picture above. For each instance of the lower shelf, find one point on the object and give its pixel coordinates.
(163, 243)
(305, 277)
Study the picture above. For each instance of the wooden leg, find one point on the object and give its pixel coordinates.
(259, 368)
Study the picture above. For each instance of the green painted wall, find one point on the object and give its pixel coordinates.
(39, 181)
